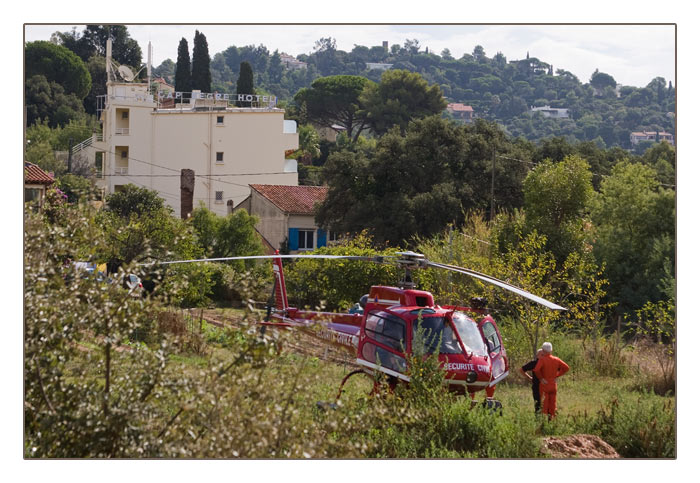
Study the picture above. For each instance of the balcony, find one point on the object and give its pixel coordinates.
(290, 135)
(121, 131)
(121, 170)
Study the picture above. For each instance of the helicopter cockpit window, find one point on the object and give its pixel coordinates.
(436, 331)
(387, 329)
(469, 333)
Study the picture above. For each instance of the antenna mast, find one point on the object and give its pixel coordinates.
(148, 66)
(110, 74)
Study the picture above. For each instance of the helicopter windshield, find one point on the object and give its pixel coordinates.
(434, 331)
(469, 333)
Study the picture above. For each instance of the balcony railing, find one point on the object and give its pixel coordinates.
(122, 131)
(121, 170)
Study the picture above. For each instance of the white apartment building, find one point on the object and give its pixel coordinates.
(148, 139)
(554, 112)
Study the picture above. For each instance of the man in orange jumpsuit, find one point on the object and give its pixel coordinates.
(547, 370)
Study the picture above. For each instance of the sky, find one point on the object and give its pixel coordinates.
(632, 54)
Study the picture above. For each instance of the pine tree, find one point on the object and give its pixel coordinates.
(244, 85)
(201, 75)
(183, 78)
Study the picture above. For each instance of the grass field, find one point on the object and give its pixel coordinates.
(210, 401)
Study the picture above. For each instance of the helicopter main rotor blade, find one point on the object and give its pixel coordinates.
(499, 283)
(378, 259)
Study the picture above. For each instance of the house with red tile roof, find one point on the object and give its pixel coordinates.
(655, 136)
(460, 110)
(36, 180)
(286, 215)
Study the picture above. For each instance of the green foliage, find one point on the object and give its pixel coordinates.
(556, 196)
(498, 90)
(655, 328)
(644, 429)
(245, 83)
(183, 74)
(48, 101)
(226, 236)
(337, 285)
(418, 182)
(601, 80)
(426, 421)
(335, 100)
(134, 200)
(93, 41)
(201, 75)
(662, 157)
(77, 188)
(309, 144)
(634, 220)
(140, 227)
(400, 97)
(57, 64)
(523, 260)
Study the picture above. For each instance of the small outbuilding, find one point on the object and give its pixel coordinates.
(36, 180)
(286, 216)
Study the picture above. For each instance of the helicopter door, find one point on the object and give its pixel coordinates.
(384, 346)
(497, 353)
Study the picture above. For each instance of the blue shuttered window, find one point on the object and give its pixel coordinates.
(294, 238)
(321, 238)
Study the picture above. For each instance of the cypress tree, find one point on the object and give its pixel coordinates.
(244, 84)
(201, 75)
(183, 79)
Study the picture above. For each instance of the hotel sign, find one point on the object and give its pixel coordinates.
(258, 99)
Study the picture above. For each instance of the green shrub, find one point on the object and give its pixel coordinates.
(645, 428)
(338, 284)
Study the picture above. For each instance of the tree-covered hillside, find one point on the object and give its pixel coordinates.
(497, 88)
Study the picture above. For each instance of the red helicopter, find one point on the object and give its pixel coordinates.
(382, 332)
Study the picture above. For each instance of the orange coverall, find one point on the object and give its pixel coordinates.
(548, 368)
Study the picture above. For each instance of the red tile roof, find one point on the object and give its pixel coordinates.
(33, 174)
(455, 106)
(298, 200)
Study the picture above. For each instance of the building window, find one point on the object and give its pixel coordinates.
(220, 157)
(125, 114)
(306, 239)
(333, 236)
(219, 120)
(219, 197)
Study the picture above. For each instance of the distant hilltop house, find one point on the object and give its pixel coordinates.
(655, 136)
(460, 110)
(162, 86)
(329, 133)
(378, 66)
(553, 112)
(292, 63)
(36, 180)
(287, 213)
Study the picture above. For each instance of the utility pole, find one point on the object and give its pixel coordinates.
(186, 193)
(493, 182)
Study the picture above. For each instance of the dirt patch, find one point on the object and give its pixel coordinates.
(578, 446)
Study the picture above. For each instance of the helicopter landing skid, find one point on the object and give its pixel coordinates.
(345, 379)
